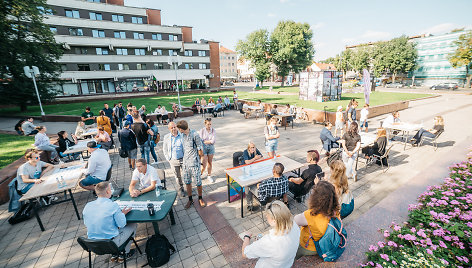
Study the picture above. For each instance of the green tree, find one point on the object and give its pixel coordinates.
(462, 56)
(256, 49)
(26, 41)
(379, 62)
(291, 47)
(262, 71)
(360, 58)
(400, 56)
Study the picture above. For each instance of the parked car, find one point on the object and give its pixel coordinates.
(452, 86)
(394, 85)
(228, 83)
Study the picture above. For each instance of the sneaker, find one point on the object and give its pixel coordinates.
(114, 258)
(252, 208)
(210, 179)
(128, 255)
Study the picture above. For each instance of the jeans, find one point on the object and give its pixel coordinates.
(176, 165)
(120, 121)
(51, 148)
(421, 133)
(153, 152)
(145, 151)
(349, 162)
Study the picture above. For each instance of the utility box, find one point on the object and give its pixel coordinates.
(321, 86)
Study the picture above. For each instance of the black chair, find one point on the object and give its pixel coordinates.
(109, 173)
(105, 246)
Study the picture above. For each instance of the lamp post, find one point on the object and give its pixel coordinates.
(177, 62)
(32, 73)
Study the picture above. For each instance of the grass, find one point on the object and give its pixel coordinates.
(293, 89)
(376, 98)
(13, 147)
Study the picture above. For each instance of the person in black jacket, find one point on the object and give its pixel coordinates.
(301, 186)
(378, 148)
(65, 143)
(327, 138)
(128, 143)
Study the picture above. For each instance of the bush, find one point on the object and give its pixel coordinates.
(438, 232)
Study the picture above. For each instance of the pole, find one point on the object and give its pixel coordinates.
(177, 84)
(37, 93)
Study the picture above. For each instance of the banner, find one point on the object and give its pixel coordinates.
(367, 85)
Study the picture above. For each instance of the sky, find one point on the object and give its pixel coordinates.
(335, 24)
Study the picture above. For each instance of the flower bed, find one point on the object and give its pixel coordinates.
(438, 232)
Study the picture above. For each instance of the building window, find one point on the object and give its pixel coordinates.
(157, 52)
(172, 52)
(141, 66)
(117, 18)
(232, 64)
(188, 66)
(102, 51)
(76, 31)
(188, 53)
(202, 66)
(121, 51)
(138, 35)
(98, 33)
(122, 66)
(95, 16)
(80, 50)
(171, 37)
(53, 29)
(140, 51)
(201, 53)
(137, 20)
(72, 13)
(94, 1)
(156, 36)
(121, 35)
(158, 66)
(104, 67)
(63, 67)
(83, 67)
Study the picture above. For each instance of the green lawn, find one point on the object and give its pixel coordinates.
(13, 147)
(151, 103)
(293, 89)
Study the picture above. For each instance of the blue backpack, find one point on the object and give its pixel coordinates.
(332, 244)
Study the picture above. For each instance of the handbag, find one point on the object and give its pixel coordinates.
(347, 204)
(123, 153)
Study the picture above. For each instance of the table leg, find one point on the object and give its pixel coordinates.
(242, 202)
(404, 140)
(228, 186)
(155, 224)
(171, 215)
(35, 211)
(73, 203)
(357, 159)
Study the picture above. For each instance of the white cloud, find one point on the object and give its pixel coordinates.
(440, 28)
(319, 45)
(348, 41)
(318, 25)
(284, 1)
(373, 36)
(271, 15)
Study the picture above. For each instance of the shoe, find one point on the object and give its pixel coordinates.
(210, 179)
(252, 208)
(130, 166)
(52, 198)
(202, 203)
(298, 199)
(189, 203)
(128, 255)
(355, 178)
(114, 258)
(182, 192)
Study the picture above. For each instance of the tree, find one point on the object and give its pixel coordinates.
(462, 56)
(256, 49)
(400, 56)
(291, 47)
(262, 71)
(360, 58)
(26, 41)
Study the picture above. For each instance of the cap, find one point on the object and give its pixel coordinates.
(127, 123)
(92, 144)
(339, 107)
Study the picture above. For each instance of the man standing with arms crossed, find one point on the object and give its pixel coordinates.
(193, 150)
(174, 153)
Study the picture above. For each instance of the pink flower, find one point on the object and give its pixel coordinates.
(429, 251)
(392, 244)
(394, 262)
(384, 256)
(442, 244)
(386, 233)
(373, 248)
(381, 244)
(421, 233)
(397, 228)
(444, 261)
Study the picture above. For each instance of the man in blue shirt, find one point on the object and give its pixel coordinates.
(105, 220)
(174, 153)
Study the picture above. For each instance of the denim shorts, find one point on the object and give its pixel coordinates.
(271, 145)
(90, 180)
(364, 123)
(208, 149)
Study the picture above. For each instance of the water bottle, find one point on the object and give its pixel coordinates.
(250, 170)
(61, 162)
(59, 184)
(111, 188)
(81, 159)
(158, 191)
(63, 182)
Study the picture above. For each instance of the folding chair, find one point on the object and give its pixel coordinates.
(433, 141)
(380, 158)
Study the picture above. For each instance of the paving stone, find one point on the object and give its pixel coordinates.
(219, 261)
(213, 252)
(202, 257)
(190, 262)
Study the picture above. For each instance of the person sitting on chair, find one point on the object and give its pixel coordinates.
(65, 143)
(105, 220)
(98, 165)
(103, 138)
(301, 186)
(144, 179)
(30, 172)
(274, 187)
(251, 154)
(378, 148)
(329, 141)
(430, 133)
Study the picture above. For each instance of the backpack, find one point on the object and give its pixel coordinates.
(333, 243)
(238, 159)
(158, 250)
(24, 213)
(334, 156)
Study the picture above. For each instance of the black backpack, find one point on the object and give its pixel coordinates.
(158, 250)
(24, 213)
(238, 159)
(334, 156)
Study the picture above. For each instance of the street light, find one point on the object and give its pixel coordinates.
(32, 73)
(177, 62)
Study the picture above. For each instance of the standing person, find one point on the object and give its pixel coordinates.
(363, 119)
(272, 134)
(235, 99)
(129, 115)
(88, 118)
(153, 139)
(97, 166)
(339, 124)
(430, 133)
(110, 114)
(104, 122)
(120, 113)
(144, 179)
(351, 114)
(175, 110)
(351, 146)
(105, 220)
(174, 152)
(192, 145)
(30, 172)
(279, 247)
(142, 132)
(42, 142)
(128, 144)
(28, 127)
(301, 186)
(208, 136)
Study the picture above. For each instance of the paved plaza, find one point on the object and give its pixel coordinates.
(208, 237)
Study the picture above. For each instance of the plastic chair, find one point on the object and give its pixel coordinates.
(105, 246)
(432, 140)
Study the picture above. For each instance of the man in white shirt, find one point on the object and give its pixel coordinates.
(97, 167)
(144, 179)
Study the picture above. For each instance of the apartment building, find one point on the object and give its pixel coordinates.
(228, 64)
(109, 47)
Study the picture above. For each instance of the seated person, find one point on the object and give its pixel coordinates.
(105, 220)
(378, 148)
(273, 111)
(42, 142)
(103, 138)
(28, 127)
(251, 154)
(301, 186)
(261, 106)
(279, 247)
(327, 138)
(97, 166)
(276, 187)
(322, 206)
(197, 105)
(144, 179)
(30, 172)
(430, 133)
(217, 109)
(80, 130)
(227, 103)
(392, 119)
(65, 143)
(288, 109)
(165, 115)
(158, 112)
(18, 128)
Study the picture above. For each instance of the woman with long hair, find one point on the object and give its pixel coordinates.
(104, 121)
(378, 148)
(430, 133)
(42, 142)
(208, 136)
(338, 179)
(65, 143)
(351, 145)
(279, 247)
(322, 205)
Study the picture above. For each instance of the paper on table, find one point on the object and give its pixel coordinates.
(67, 173)
(139, 205)
(258, 169)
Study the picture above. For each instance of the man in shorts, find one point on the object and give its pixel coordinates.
(97, 167)
(193, 150)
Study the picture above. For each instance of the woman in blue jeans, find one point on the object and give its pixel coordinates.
(152, 139)
(430, 133)
(351, 145)
(272, 134)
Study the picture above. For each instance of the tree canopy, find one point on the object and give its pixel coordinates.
(462, 56)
